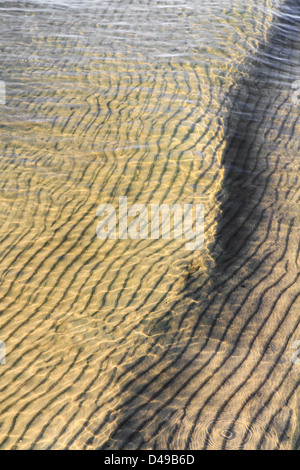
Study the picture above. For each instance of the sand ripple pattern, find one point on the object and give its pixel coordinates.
(142, 344)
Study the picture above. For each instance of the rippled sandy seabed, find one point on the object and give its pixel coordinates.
(141, 344)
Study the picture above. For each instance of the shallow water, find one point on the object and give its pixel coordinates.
(142, 343)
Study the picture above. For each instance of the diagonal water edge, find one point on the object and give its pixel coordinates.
(241, 389)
